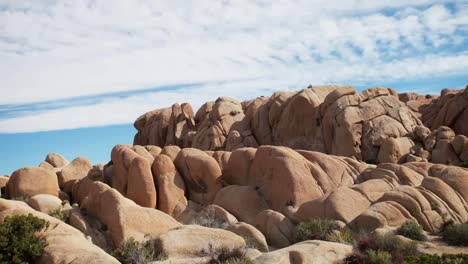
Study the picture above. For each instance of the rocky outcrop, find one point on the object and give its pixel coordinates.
(65, 244)
(29, 181)
(307, 252)
(72, 172)
(450, 109)
(122, 217)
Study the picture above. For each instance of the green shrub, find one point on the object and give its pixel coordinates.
(436, 259)
(456, 234)
(343, 236)
(134, 252)
(379, 257)
(413, 230)
(315, 229)
(394, 245)
(59, 214)
(20, 239)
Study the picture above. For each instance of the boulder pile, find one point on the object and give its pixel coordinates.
(237, 178)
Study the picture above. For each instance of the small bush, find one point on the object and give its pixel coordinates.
(59, 214)
(436, 259)
(456, 234)
(20, 241)
(134, 252)
(394, 245)
(315, 229)
(343, 236)
(379, 257)
(356, 258)
(413, 230)
(225, 255)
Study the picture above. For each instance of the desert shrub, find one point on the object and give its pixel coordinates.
(456, 234)
(134, 252)
(356, 258)
(209, 219)
(379, 257)
(371, 161)
(395, 245)
(314, 229)
(59, 214)
(436, 259)
(344, 236)
(225, 255)
(20, 239)
(413, 230)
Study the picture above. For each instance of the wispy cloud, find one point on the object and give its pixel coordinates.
(105, 62)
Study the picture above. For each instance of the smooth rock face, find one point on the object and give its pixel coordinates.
(307, 252)
(450, 109)
(122, 217)
(170, 185)
(72, 172)
(197, 241)
(56, 160)
(65, 243)
(132, 174)
(45, 203)
(253, 237)
(201, 173)
(29, 181)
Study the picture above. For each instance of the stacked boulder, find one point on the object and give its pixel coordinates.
(375, 126)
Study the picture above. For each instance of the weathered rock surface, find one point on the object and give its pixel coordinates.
(450, 109)
(307, 252)
(45, 203)
(75, 170)
(192, 241)
(122, 217)
(65, 243)
(29, 181)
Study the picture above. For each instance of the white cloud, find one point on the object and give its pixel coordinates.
(50, 50)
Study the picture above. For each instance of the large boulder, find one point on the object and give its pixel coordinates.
(29, 181)
(450, 109)
(283, 178)
(132, 174)
(45, 203)
(56, 160)
(122, 217)
(253, 237)
(276, 228)
(201, 174)
(65, 244)
(170, 186)
(307, 252)
(75, 170)
(192, 241)
(241, 201)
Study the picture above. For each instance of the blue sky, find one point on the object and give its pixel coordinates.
(74, 75)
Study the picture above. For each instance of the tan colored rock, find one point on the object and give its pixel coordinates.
(307, 252)
(238, 167)
(56, 160)
(131, 175)
(90, 227)
(282, 177)
(122, 217)
(170, 151)
(241, 201)
(394, 150)
(75, 170)
(170, 185)
(46, 165)
(201, 175)
(253, 237)
(29, 181)
(276, 228)
(65, 243)
(382, 214)
(45, 203)
(343, 204)
(197, 241)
